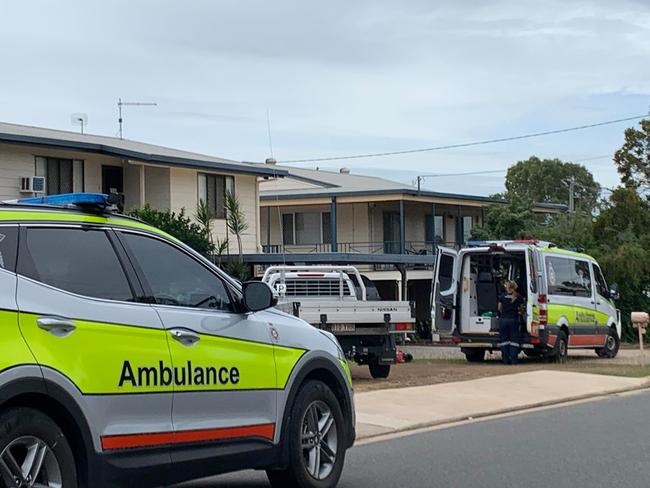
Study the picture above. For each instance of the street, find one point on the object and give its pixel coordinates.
(602, 443)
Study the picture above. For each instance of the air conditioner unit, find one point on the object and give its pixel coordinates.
(32, 184)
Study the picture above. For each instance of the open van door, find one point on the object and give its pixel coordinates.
(445, 288)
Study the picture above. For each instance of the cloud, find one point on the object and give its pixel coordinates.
(338, 76)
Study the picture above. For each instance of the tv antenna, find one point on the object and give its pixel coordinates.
(121, 104)
(79, 119)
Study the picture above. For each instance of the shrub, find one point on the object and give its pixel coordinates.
(178, 225)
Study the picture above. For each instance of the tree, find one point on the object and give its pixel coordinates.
(633, 159)
(624, 214)
(622, 233)
(511, 220)
(237, 225)
(235, 220)
(177, 225)
(568, 231)
(545, 181)
(205, 216)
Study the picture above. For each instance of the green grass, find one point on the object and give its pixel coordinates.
(623, 371)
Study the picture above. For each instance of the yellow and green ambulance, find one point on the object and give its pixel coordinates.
(568, 302)
(127, 359)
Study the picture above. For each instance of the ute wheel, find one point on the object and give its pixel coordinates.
(316, 437)
(611, 345)
(561, 349)
(474, 355)
(34, 451)
(379, 371)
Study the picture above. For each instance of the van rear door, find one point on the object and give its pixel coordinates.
(533, 266)
(445, 289)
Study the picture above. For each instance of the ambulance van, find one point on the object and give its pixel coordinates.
(568, 302)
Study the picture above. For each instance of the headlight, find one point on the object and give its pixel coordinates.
(332, 338)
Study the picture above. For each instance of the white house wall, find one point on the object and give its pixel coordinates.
(185, 195)
(165, 187)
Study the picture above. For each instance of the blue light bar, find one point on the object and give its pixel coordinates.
(80, 199)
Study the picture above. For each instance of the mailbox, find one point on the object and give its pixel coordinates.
(640, 320)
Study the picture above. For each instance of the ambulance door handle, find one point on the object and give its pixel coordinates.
(56, 326)
(185, 337)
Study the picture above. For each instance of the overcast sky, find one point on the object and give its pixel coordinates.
(338, 77)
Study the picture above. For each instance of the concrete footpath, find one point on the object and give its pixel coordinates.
(389, 411)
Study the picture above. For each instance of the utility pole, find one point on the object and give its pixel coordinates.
(120, 104)
(571, 183)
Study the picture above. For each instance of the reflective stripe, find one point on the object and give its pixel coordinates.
(70, 217)
(130, 441)
(101, 358)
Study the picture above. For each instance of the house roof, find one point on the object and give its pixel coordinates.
(321, 183)
(125, 148)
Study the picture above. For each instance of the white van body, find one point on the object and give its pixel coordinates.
(568, 302)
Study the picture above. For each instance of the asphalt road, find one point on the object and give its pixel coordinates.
(603, 443)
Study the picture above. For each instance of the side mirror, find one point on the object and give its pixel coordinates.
(258, 296)
(613, 292)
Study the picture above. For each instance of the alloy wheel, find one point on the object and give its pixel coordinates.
(319, 440)
(28, 462)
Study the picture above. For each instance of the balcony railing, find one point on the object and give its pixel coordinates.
(422, 248)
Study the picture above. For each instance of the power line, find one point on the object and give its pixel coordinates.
(421, 178)
(466, 144)
(467, 173)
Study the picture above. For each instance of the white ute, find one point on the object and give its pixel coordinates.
(340, 300)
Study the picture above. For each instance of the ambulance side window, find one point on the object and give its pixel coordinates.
(173, 277)
(601, 284)
(75, 260)
(567, 276)
(8, 248)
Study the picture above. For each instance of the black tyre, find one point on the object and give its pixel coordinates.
(474, 355)
(34, 451)
(379, 371)
(612, 345)
(561, 349)
(316, 435)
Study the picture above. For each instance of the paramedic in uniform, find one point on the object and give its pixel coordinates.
(510, 306)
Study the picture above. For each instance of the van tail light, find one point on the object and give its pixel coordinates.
(542, 299)
(543, 317)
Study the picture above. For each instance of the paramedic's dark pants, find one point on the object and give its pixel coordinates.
(509, 335)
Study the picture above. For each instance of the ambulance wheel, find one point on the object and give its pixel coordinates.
(611, 345)
(474, 355)
(379, 371)
(561, 349)
(34, 451)
(316, 436)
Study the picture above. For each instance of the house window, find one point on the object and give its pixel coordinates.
(434, 230)
(306, 228)
(468, 222)
(212, 190)
(288, 231)
(61, 175)
(326, 221)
